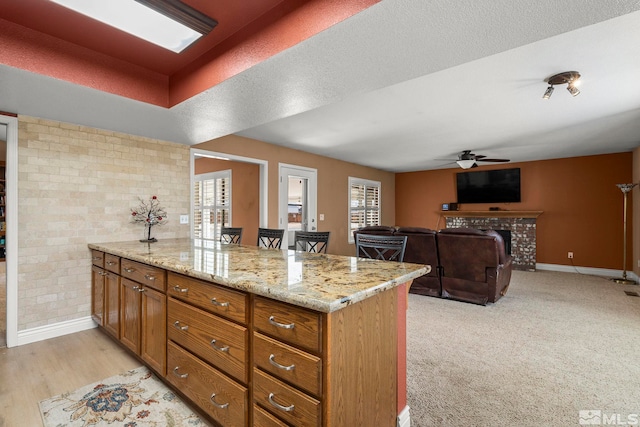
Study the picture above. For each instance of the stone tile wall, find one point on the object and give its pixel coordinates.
(77, 185)
(523, 236)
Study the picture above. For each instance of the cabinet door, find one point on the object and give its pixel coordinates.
(97, 294)
(130, 314)
(154, 330)
(112, 304)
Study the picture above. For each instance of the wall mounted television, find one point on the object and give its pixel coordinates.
(489, 186)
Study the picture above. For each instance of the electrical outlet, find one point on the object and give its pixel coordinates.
(184, 219)
(570, 255)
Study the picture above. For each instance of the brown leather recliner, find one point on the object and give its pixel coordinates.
(474, 265)
(422, 249)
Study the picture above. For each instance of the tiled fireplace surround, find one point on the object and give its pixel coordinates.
(522, 225)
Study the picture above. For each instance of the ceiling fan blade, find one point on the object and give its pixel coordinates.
(479, 156)
(493, 160)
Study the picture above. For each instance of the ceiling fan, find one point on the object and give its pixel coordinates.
(467, 159)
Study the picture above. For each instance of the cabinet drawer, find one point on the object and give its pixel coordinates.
(220, 342)
(290, 404)
(289, 323)
(288, 363)
(112, 263)
(222, 398)
(153, 277)
(213, 298)
(97, 258)
(262, 418)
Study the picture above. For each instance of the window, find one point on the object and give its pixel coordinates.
(364, 204)
(211, 206)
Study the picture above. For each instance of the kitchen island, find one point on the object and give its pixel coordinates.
(261, 337)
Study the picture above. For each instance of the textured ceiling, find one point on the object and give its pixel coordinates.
(402, 85)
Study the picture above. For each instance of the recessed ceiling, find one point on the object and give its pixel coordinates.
(395, 85)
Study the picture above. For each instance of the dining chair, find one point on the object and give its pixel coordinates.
(389, 248)
(312, 241)
(270, 237)
(231, 235)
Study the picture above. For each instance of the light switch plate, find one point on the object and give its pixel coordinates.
(184, 219)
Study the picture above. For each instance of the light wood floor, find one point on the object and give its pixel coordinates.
(33, 372)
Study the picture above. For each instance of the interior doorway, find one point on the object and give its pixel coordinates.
(298, 201)
(3, 264)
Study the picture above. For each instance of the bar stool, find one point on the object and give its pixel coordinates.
(231, 235)
(389, 248)
(270, 238)
(312, 241)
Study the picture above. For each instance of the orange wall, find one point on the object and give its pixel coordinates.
(581, 204)
(245, 193)
(333, 176)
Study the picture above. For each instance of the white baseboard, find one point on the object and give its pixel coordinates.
(41, 333)
(404, 418)
(605, 272)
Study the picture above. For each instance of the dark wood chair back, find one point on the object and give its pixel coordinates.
(270, 238)
(231, 235)
(389, 248)
(312, 241)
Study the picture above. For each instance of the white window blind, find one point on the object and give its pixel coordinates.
(212, 206)
(364, 204)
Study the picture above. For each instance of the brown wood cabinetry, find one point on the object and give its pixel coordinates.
(249, 360)
(143, 313)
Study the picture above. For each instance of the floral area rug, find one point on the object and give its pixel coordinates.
(133, 399)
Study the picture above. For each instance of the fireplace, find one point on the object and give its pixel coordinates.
(506, 236)
(517, 228)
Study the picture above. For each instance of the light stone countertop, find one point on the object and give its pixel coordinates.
(324, 283)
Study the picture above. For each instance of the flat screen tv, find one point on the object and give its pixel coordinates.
(489, 186)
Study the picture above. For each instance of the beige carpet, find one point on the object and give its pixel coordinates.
(555, 345)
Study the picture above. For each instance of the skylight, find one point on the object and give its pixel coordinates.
(137, 20)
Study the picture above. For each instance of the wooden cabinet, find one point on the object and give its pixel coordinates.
(249, 360)
(97, 287)
(209, 347)
(143, 312)
(111, 321)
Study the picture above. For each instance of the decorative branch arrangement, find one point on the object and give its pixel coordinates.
(150, 214)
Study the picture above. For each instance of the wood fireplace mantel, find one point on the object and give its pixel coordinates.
(491, 214)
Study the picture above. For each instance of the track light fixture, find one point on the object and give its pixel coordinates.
(570, 78)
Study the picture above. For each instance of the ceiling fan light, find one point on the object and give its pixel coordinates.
(466, 164)
(548, 92)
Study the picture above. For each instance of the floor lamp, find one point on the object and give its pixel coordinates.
(625, 188)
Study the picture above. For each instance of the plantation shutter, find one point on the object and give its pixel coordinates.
(364, 204)
(212, 204)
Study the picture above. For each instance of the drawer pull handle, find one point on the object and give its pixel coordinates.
(129, 270)
(179, 289)
(97, 258)
(277, 405)
(102, 273)
(138, 288)
(225, 348)
(219, 304)
(279, 366)
(213, 400)
(176, 324)
(175, 372)
(111, 263)
(280, 325)
(148, 277)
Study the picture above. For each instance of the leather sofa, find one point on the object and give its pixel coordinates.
(466, 264)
